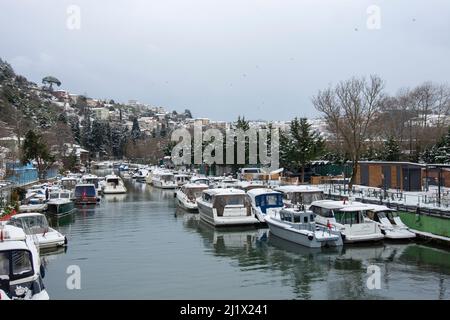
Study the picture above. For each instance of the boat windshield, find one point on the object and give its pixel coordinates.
(269, 200)
(230, 200)
(54, 195)
(85, 191)
(68, 184)
(31, 224)
(16, 264)
(167, 177)
(64, 195)
(113, 181)
(194, 193)
(304, 197)
(349, 217)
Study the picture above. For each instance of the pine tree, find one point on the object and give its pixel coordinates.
(391, 150)
(135, 131)
(300, 146)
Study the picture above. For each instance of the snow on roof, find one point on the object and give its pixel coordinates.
(223, 192)
(336, 204)
(196, 186)
(260, 191)
(298, 188)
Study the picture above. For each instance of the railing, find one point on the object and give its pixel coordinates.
(430, 202)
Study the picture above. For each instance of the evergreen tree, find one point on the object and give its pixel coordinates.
(391, 150)
(301, 146)
(75, 126)
(135, 131)
(35, 148)
(438, 153)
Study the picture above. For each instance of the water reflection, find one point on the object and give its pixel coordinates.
(145, 232)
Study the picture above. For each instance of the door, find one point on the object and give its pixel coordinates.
(364, 174)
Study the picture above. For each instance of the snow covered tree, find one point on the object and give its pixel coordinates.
(390, 150)
(135, 131)
(438, 153)
(300, 146)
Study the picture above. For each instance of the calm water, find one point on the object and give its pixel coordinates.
(139, 246)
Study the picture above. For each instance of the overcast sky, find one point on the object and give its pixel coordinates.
(264, 59)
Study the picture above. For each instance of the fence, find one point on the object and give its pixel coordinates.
(25, 174)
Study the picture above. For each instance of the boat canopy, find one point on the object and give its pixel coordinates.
(269, 200)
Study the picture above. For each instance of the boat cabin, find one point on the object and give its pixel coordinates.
(300, 194)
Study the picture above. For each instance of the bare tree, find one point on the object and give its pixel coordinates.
(350, 110)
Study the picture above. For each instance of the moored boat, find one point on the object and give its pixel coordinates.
(226, 207)
(85, 193)
(348, 218)
(20, 267)
(113, 185)
(36, 224)
(264, 201)
(389, 222)
(298, 226)
(187, 195)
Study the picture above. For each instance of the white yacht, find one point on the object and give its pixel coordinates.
(181, 179)
(389, 222)
(264, 201)
(187, 195)
(348, 218)
(141, 174)
(226, 207)
(298, 226)
(113, 185)
(36, 224)
(200, 179)
(20, 267)
(300, 194)
(164, 180)
(69, 183)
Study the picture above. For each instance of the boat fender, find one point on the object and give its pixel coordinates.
(42, 271)
(343, 236)
(65, 241)
(383, 231)
(310, 237)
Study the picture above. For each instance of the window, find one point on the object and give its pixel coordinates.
(4, 263)
(21, 262)
(305, 219)
(85, 191)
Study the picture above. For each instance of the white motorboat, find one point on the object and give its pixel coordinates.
(187, 195)
(69, 183)
(36, 224)
(21, 271)
(226, 207)
(249, 185)
(348, 218)
(113, 185)
(141, 174)
(299, 226)
(200, 180)
(181, 179)
(265, 201)
(300, 194)
(164, 180)
(389, 222)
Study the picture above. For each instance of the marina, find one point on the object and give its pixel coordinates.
(146, 231)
